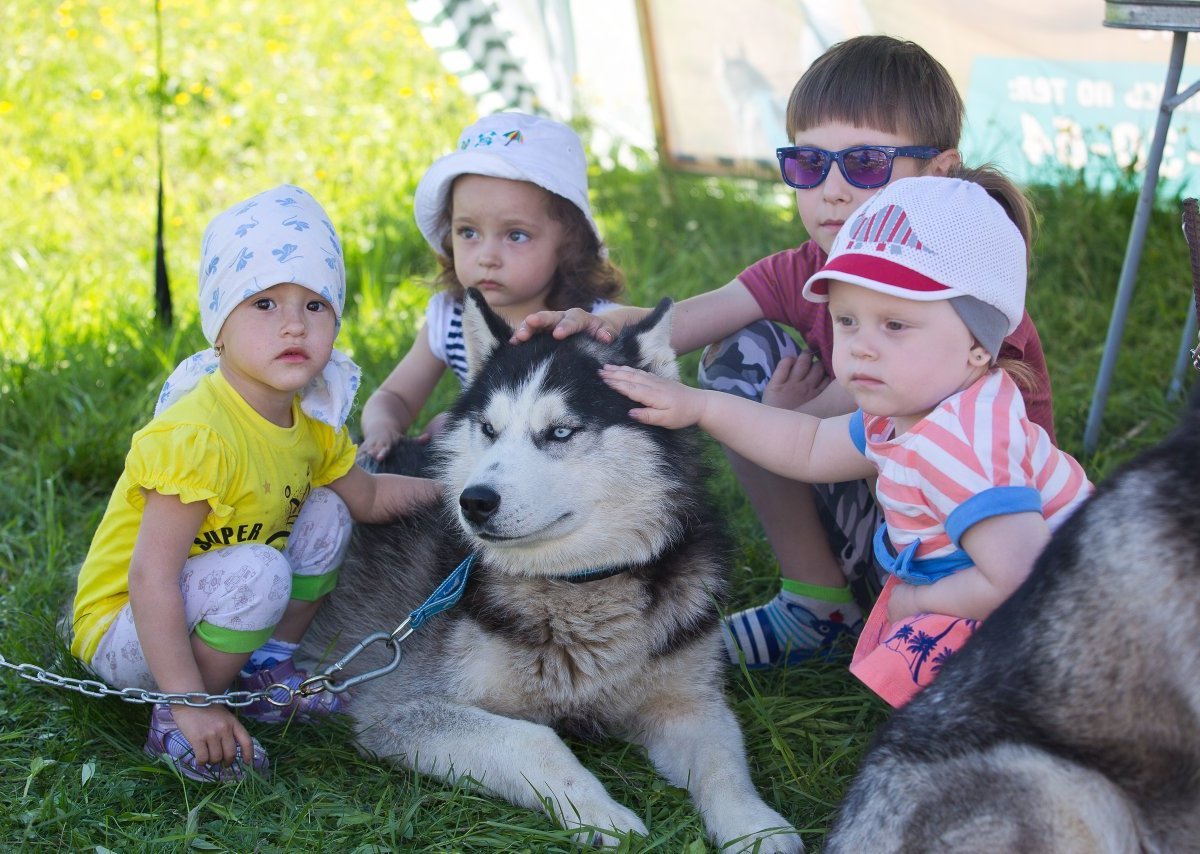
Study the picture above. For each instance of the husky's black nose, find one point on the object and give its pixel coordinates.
(478, 503)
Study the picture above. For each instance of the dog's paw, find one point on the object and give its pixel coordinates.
(771, 833)
(606, 827)
(783, 840)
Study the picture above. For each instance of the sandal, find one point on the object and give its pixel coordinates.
(302, 708)
(165, 739)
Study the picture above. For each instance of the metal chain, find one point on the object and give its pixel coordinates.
(276, 694)
(94, 688)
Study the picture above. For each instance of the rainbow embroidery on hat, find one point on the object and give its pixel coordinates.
(888, 229)
(514, 136)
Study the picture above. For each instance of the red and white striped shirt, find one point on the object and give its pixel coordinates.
(977, 455)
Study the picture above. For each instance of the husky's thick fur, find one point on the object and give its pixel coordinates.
(1071, 721)
(592, 608)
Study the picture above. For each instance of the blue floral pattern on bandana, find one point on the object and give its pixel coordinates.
(281, 235)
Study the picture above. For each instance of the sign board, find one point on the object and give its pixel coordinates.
(1050, 91)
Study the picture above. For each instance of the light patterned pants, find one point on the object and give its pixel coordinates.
(243, 588)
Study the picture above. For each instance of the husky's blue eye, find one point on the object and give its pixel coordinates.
(561, 434)
(488, 429)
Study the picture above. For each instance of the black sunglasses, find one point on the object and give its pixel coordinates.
(864, 166)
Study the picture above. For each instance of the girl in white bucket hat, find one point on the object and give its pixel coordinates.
(923, 283)
(232, 515)
(507, 212)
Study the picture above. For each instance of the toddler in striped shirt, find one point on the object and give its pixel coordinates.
(922, 284)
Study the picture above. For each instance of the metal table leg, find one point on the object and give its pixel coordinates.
(1183, 359)
(1137, 237)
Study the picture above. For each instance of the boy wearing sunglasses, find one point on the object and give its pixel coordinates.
(869, 111)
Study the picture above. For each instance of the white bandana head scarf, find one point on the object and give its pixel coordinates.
(281, 235)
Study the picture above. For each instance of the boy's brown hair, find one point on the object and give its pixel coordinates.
(879, 82)
(584, 274)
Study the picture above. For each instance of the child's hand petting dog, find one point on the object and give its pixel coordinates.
(665, 403)
(563, 324)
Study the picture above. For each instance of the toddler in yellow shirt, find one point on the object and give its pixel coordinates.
(234, 509)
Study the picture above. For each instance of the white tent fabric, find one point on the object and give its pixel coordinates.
(473, 46)
(560, 58)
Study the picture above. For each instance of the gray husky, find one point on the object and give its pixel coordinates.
(591, 609)
(1071, 721)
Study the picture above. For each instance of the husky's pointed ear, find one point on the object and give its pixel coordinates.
(653, 337)
(483, 330)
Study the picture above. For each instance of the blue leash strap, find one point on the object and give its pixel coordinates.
(445, 596)
(447, 593)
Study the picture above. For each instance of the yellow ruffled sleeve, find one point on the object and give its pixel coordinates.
(339, 456)
(188, 460)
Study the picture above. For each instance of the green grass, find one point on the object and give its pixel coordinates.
(345, 100)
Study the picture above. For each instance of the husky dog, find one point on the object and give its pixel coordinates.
(1071, 721)
(591, 609)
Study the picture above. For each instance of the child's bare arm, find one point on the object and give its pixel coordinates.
(697, 321)
(788, 443)
(712, 316)
(1003, 548)
(832, 401)
(168, 528)
(393, 407)
(380, 497)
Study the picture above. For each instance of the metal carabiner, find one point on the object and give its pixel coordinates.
(445, 596)
(340, 665)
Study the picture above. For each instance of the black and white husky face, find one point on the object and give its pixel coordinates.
(546, 472)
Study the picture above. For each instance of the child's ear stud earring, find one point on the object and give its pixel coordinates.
(219, 349)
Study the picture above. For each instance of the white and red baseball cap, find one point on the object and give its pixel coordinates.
(933, 238)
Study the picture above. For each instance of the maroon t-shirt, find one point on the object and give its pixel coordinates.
(777, 283)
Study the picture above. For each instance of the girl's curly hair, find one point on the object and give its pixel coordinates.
(582, 277)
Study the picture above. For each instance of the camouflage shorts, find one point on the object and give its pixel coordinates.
(742, 364)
